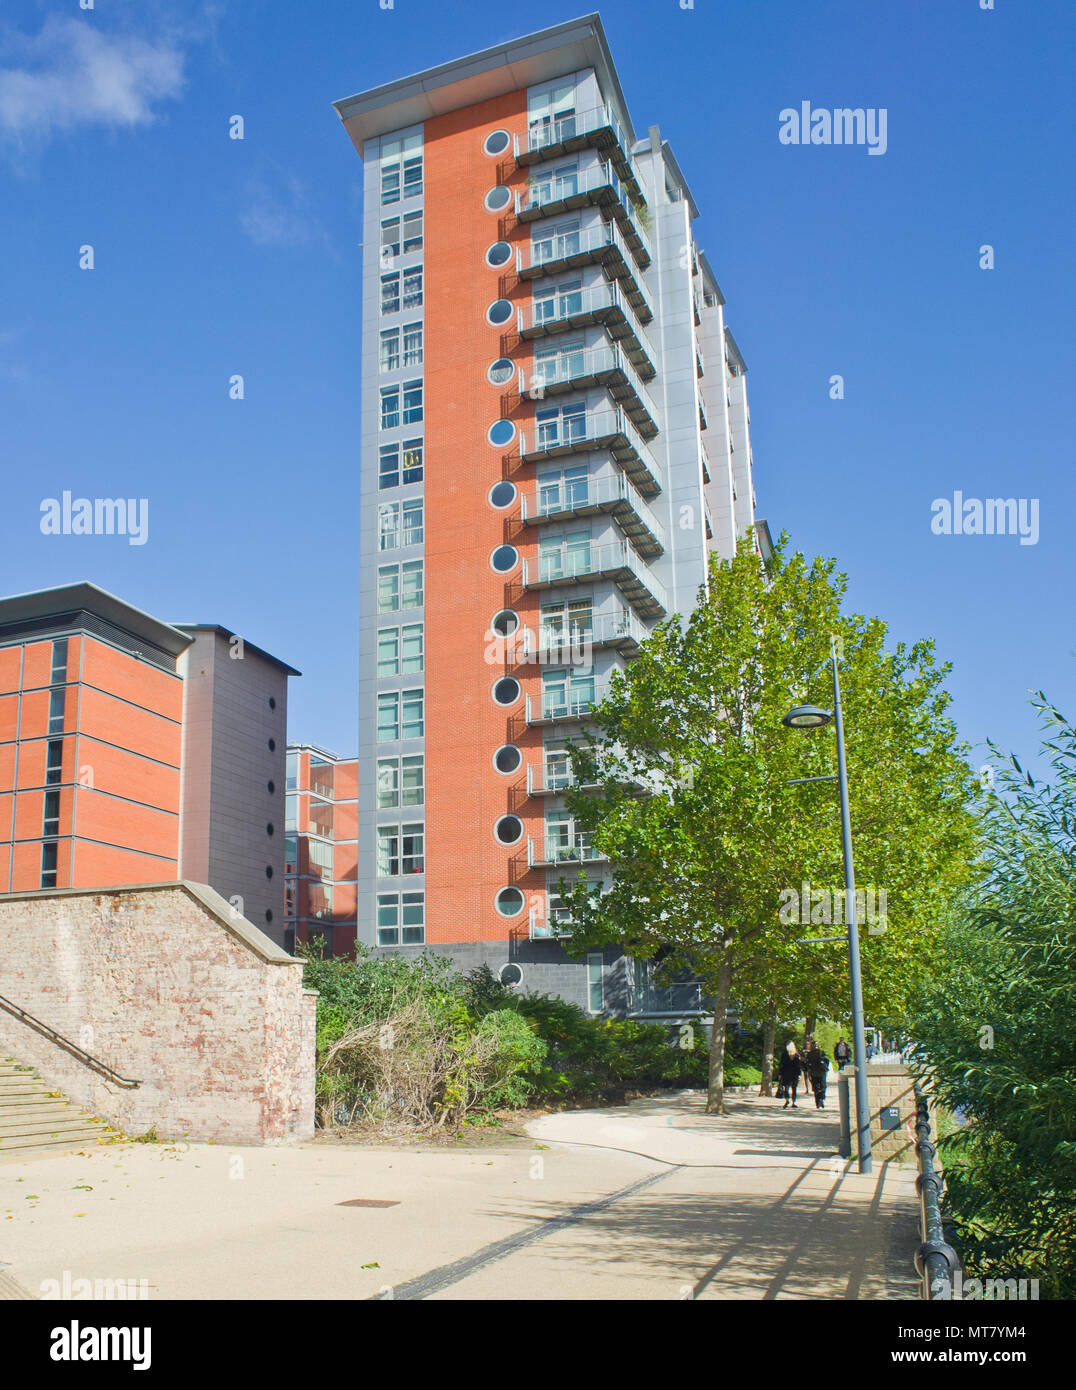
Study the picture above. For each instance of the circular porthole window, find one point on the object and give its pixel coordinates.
(504, 558)
(496, 142)
(502, 495)
(510, 976)
(501, 432)
(501, 371)
(500, 311)
(506, 691)
(508, 830)
(497, 199)
(504, 623)
(509, 902)
(500, 253)
(508, 759)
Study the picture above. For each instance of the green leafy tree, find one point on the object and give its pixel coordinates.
(693, 807)
(995, 1030)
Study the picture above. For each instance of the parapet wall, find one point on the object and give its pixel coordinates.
(167, 986)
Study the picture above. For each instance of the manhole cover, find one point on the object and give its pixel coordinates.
(367, 1202)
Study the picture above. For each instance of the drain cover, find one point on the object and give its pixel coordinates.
(366, 1202)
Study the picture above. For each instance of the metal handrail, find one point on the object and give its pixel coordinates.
(567, 304)
(935, 1260)
(83, 1056)
(595, 490)
(553, 190)
(565, 365)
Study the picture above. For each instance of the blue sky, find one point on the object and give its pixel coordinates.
(215, 257)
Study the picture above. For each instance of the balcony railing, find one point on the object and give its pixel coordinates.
(602, 245)
(615, 560)
(610, 493)
(594, 429)
(596, 129)
(600, 187)
(560, 708)
(550, 780)
(604, 304)
(571, 645)
(556, 924)
(582, 368)
(554, 851)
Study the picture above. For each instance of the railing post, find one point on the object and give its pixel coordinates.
(935, 1260)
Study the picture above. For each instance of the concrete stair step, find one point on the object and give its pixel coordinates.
(34, 1115)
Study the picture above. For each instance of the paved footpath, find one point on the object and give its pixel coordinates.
(654, 1200)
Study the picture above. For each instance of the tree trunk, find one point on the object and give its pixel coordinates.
(715, 1098)
(808, 1027)
(769, 1032)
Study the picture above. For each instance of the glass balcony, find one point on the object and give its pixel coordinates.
(552, 779)
(556, 924)
(555, 850)
(598, 129)
(605, 304)
(554, 193)
(551, 254)
(615, 561)
(582, 368)
(594, 429)
(557, 707)
(610, 493)
(569, 644)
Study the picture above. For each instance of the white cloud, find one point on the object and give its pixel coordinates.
(280, 219)
(73, 75)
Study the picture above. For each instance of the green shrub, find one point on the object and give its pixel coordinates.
(741, 1074)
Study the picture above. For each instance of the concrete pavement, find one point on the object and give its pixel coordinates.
(654, 1200)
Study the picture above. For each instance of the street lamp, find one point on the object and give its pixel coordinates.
(811, 717)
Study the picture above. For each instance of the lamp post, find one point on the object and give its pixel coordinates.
(811, 717)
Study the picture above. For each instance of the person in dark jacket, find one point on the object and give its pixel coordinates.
(789, 1074)
(817, 1067)
(842, 1053)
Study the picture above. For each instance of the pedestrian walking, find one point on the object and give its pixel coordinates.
(842, 1053)
(817, 1069)
(789, 1074)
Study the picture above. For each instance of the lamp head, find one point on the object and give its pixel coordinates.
(806, 717)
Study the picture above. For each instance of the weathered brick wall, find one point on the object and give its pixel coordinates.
(166, 986)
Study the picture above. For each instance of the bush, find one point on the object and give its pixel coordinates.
(996, 1033)
(742, 1074)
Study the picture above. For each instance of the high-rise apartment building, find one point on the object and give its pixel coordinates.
(138, 751)
(555, 436)
(321, 842)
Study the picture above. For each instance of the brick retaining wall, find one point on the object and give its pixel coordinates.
(167, 986)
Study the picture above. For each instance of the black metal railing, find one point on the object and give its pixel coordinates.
(94, 1063)
(935, 1260)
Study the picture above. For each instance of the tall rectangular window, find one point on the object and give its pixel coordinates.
(48, 864)
(57, 702)
(401, 919)
(390, 407)
(412, 231)
(51, 820)
(412, 344)
(400, 849)
(400, 714)
(412, 288)
(400, 781)
(59, 661)
(412, 402)
(399, 586)
(400, 463)
(595, 983)
(399, 523)
(54, 758)
(399, 650)
(390, 292)
(389, 359)
(401, 168)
